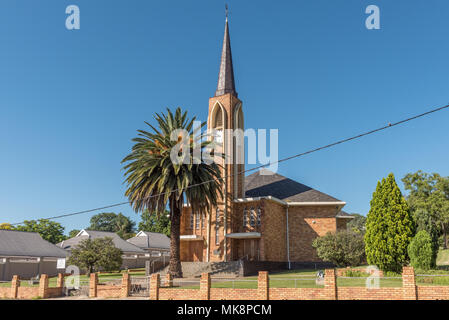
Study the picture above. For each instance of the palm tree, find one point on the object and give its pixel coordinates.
(154, 180)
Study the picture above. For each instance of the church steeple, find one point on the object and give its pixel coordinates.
(226, 82)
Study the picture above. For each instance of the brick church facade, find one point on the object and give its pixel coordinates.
(262, 217)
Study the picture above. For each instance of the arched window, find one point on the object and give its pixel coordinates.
(245, 217)
(191, 220)
(252, 218)
(217, 226)
(197, 222)
(259, 213)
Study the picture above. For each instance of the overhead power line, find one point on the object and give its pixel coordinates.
(390, 125)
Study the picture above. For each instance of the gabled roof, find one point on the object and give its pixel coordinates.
(280, 187)
(153, 240)
(27, 244)
(123, 245)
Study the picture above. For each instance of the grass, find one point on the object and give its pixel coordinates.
(443, 257)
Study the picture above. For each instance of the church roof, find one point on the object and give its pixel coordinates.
(226, 82)
(280, 187)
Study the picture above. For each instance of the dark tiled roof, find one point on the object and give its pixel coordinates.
(344, 214)
(27, 244)
(151, 240)
(275, 185)
(123, 245)
(226, 82)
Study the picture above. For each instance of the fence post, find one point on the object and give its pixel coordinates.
(205, 286)
(93, 283)
(263, 286)
(155, 282)
(60, 281)
(15, 284)
(126, 285)
(168, 280)
(330, 284)
(43, 286)
(409, 283)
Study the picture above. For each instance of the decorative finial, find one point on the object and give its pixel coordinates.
(227, 10)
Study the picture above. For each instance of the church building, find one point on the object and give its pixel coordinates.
(262, 217)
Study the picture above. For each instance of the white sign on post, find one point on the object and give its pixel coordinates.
(60, 264)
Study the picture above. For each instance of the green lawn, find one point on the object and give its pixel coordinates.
(443, 257)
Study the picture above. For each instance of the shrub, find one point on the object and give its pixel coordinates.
(344, 248)
(389, 227)
(421, 252)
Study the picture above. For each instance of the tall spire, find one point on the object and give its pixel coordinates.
(226, 82)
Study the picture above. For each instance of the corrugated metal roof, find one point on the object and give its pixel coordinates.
(27, 244)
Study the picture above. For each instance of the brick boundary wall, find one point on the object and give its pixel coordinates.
(16, 291)
(408, 291)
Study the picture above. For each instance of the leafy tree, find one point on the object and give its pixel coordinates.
(428, 199)
(73, 233)
(93, 255)
(6, 226)
(112, 222)
(389, 227)
(357, 224)
(344, 248)
(156, 178)
(48, 230)
(152, 222)
(421, 251)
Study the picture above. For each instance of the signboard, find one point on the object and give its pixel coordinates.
(60, 264)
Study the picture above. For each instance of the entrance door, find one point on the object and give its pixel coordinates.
(197, 250)
(251, 249)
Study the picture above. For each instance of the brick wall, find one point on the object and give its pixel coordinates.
(409, 291)
(16, 291)
(306, 224)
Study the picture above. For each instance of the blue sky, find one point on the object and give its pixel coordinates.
(71, 101)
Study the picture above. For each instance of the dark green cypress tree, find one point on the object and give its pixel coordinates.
(389, 227)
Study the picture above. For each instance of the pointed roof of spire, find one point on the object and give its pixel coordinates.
(226, 82)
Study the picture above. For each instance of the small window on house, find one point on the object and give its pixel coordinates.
(191, 220)
(252, 218)
(202, 221)
(259, 212)
(245, 217)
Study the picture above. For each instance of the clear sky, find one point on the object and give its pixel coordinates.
(71, 101)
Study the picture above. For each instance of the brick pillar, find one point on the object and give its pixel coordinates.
(155, 283)
(205, 286)
(168, 280)
(263, 285)
(330, 284)
(60, 280)
(43, 286)
(409, 284)
(93, 285)
(15, 284)
(126, 285)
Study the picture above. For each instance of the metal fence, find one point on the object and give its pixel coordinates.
(139, 286)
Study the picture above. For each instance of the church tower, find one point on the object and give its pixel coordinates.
(226, 118)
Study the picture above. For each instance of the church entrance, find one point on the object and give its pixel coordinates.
(246, 249)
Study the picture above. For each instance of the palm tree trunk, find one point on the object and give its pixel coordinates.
(174, 267)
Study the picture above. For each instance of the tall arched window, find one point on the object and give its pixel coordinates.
(217, 226)
(245, 217)
(259, 213)
(191, 220)
(252, 218)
